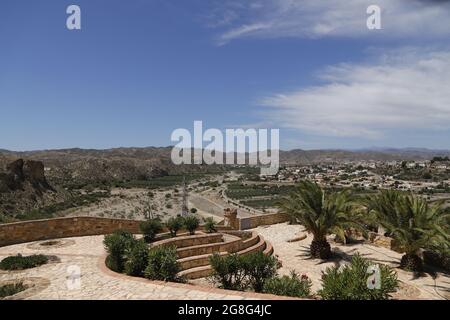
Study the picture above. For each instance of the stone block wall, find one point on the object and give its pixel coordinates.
(27, 231)
(261, 220)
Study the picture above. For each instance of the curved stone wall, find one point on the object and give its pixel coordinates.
(34, 230)
(27, 231)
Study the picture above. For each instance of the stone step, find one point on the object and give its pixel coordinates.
(190, 240)
(205, 270)
(232, 245)
(196, 273)
(250, 241)
(259, 246)
(196, 261)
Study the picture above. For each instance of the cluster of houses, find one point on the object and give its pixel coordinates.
(364, 174)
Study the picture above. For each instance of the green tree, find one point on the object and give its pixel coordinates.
(174, 224)
(151, 228)
(411, 221)
(191, 223)
(320, 212)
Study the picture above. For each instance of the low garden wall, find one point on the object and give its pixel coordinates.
(26, 231)
(262, 220)
(34, 230)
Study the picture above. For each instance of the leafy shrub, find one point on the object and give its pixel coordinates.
(228, 271)
(116, 245)
(20, 262)
(151, 228)
(11, 289)
(136, 258)
(174, 224)
(351, 282)
(162, 264)
(258, 267)
(191, 223)
(240, 272)
(210, 225)
(292, 286)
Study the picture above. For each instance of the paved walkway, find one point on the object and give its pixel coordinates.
(295, 256)
(56, 280)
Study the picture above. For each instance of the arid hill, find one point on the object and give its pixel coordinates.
(36, 179)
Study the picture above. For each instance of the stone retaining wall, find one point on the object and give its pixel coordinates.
(262, 220)
(190, 240)
(34, 230)
(27, 231)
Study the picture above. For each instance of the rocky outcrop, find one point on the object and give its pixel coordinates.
(19, 173)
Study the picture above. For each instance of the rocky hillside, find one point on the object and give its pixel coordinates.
(23, 186)
(35, 179)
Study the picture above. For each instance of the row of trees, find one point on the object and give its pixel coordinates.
(410, 220)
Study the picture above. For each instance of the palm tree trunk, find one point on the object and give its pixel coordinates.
(320, 248)
(411, 262)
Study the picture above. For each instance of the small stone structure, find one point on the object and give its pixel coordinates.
(231, 219)
(383, 241)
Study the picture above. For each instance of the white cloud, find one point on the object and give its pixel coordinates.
(320, 18)
(405, 89)
(242, 31)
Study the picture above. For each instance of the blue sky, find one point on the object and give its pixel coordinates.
(139, 69)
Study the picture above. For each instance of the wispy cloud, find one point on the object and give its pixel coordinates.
(404, 89)
(321, 18)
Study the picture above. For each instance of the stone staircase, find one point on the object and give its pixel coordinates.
(194, 260)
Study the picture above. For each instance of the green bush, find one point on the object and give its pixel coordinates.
(240, 272)
(162, 264)
(11, 289)
(174, 224)
(20, 262)
(258, 267)
(191, 223)
(151, 228)
(116, 246)
(292, 286)
(351, 282)
(228, 271)
(210, 225)
(136, 258)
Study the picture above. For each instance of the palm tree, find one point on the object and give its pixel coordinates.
(321, 213)
(411, 221)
